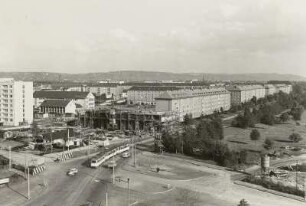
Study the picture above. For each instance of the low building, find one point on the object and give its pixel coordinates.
(86, 99)
(58, 108)
(146, 95)
(195, 102)
(244, 93)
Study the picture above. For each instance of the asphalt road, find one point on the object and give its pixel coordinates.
(88, 186)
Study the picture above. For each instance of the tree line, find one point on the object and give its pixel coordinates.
(201, 139)
(272, 109)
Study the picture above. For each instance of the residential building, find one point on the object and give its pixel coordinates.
(111, 90)
(85, 99)
(286, 88)
(16, 102)
(61, 107)
(146, 95)
(244, 93)
(270, 89)
(195, 102)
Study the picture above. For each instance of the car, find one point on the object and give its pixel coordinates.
(126, 154)
(72, 171)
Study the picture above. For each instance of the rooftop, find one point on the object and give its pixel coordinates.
(192, 93)
(154, 88)
(55, 103)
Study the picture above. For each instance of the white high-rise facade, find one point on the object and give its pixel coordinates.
(16, 102)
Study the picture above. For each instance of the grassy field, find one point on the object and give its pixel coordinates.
(239, 139)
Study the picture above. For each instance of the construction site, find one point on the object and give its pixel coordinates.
(127, 118)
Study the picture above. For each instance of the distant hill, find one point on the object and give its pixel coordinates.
(142, 75)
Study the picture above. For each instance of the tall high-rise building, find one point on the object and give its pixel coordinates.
(16, 102)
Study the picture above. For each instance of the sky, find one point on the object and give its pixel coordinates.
(209, 36)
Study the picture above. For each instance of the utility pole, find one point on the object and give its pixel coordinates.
(113, 171)
(44, 178)
(29, 192)
(305, 189)
(68, 139)
(106, 197)
(296, 177)
(134, 155)
(129, 193)
(10, 158)
(51, 140)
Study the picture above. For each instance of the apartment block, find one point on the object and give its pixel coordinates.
(146, 95)
(286, 88)
(244, 93)
(111, 90)
(195, 102)
(16, 102)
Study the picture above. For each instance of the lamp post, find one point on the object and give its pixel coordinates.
(296, 176)
(128, 187)
(29, 192)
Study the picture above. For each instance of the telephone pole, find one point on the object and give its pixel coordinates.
(113, 171)
(29, 192)
(296, 176)
(106, 197)
(10, 158)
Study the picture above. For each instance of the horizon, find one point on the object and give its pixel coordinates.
(151, 71)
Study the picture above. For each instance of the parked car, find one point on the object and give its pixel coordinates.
(72, 171)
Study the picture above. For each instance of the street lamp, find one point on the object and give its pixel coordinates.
(128, 185)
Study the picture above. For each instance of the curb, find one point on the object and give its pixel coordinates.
(274, 192)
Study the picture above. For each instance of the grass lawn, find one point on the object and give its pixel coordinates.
(238, 139)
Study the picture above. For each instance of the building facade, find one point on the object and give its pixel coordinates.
(111, 90)
(58, 108)
(244, 93)
(286, 88)
(16, 102)
(195, 102)
(146, 95)
(85, 99)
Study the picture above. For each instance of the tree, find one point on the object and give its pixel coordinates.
(295, 137)
(284, 117)
(243, 202)
(254, 135)
(268, 143)
(297, 112)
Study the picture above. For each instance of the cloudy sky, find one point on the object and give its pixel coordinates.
(214, 36)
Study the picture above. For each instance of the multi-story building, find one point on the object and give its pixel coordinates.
(85, 99)
(244, 93)
(16, 102)
(111, 90)
(147, 95)
(195, 102)
(286, 88)
(270, 89)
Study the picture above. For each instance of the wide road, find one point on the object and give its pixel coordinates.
(88, 186)
(66, 190)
